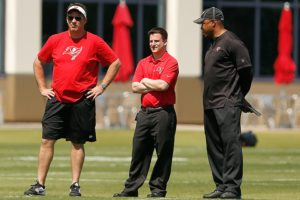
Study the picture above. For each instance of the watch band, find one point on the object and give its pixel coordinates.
(104, 86)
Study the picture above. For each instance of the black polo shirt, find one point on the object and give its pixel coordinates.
(225, 57)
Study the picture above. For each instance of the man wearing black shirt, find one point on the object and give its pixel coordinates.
(227, 80)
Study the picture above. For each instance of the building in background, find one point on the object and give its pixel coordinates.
(25, 26)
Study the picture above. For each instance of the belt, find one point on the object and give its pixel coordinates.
(156, 109)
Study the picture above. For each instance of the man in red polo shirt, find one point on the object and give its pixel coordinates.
(155, 78)
(70, 109)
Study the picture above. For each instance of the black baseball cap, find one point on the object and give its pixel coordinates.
(212, 13)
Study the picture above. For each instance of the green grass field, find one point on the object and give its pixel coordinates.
(271, 170)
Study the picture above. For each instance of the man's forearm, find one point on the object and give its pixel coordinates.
(139, 88)
(156, 85)
(111, 72)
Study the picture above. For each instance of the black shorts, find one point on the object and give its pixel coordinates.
(73, 121)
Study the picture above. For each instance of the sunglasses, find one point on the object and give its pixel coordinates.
(77, 18)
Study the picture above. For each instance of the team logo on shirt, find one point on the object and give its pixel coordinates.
(159, 70)
(72, 51)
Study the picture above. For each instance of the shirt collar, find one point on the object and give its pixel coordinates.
(161, 59)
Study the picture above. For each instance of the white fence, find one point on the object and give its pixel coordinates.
(281, 111)
(117, 109)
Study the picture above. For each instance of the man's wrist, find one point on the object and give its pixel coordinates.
(103, 85)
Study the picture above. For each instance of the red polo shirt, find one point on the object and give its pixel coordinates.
(165, 68)
(75, 63)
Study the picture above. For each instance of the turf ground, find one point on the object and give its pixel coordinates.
(271, 169)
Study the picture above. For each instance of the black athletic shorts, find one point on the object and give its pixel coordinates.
(73, 121)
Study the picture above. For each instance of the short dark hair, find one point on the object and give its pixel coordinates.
(159, 30)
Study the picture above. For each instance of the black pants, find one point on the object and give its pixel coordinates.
(155, 129)
(222, 132)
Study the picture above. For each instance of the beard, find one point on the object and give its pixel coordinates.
(208, 34)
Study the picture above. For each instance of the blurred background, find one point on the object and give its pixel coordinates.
(26, 25)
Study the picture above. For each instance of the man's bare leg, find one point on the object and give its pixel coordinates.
(45, 158)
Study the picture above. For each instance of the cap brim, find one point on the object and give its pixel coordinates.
(199, 21)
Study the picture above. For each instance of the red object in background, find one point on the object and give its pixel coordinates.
(121, 44)
(284, 65)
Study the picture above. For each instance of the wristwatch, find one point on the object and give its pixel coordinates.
(104, 86)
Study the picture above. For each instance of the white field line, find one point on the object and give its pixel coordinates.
(49, 178)
(93, 158)
(17, 177)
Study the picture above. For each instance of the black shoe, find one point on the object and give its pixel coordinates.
(156, 195)
(230, 195)
(36, 190)
(75, 190)
(213, 195)
(127, 194)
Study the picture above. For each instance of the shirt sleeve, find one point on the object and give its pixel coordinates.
(105, 54)
(241, 58)
(170, 73)
(245, 79)
(243, 65)
(45, 53)
(139, 74)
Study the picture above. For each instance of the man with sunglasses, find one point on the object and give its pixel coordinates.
(70, 109)
(227, 77)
